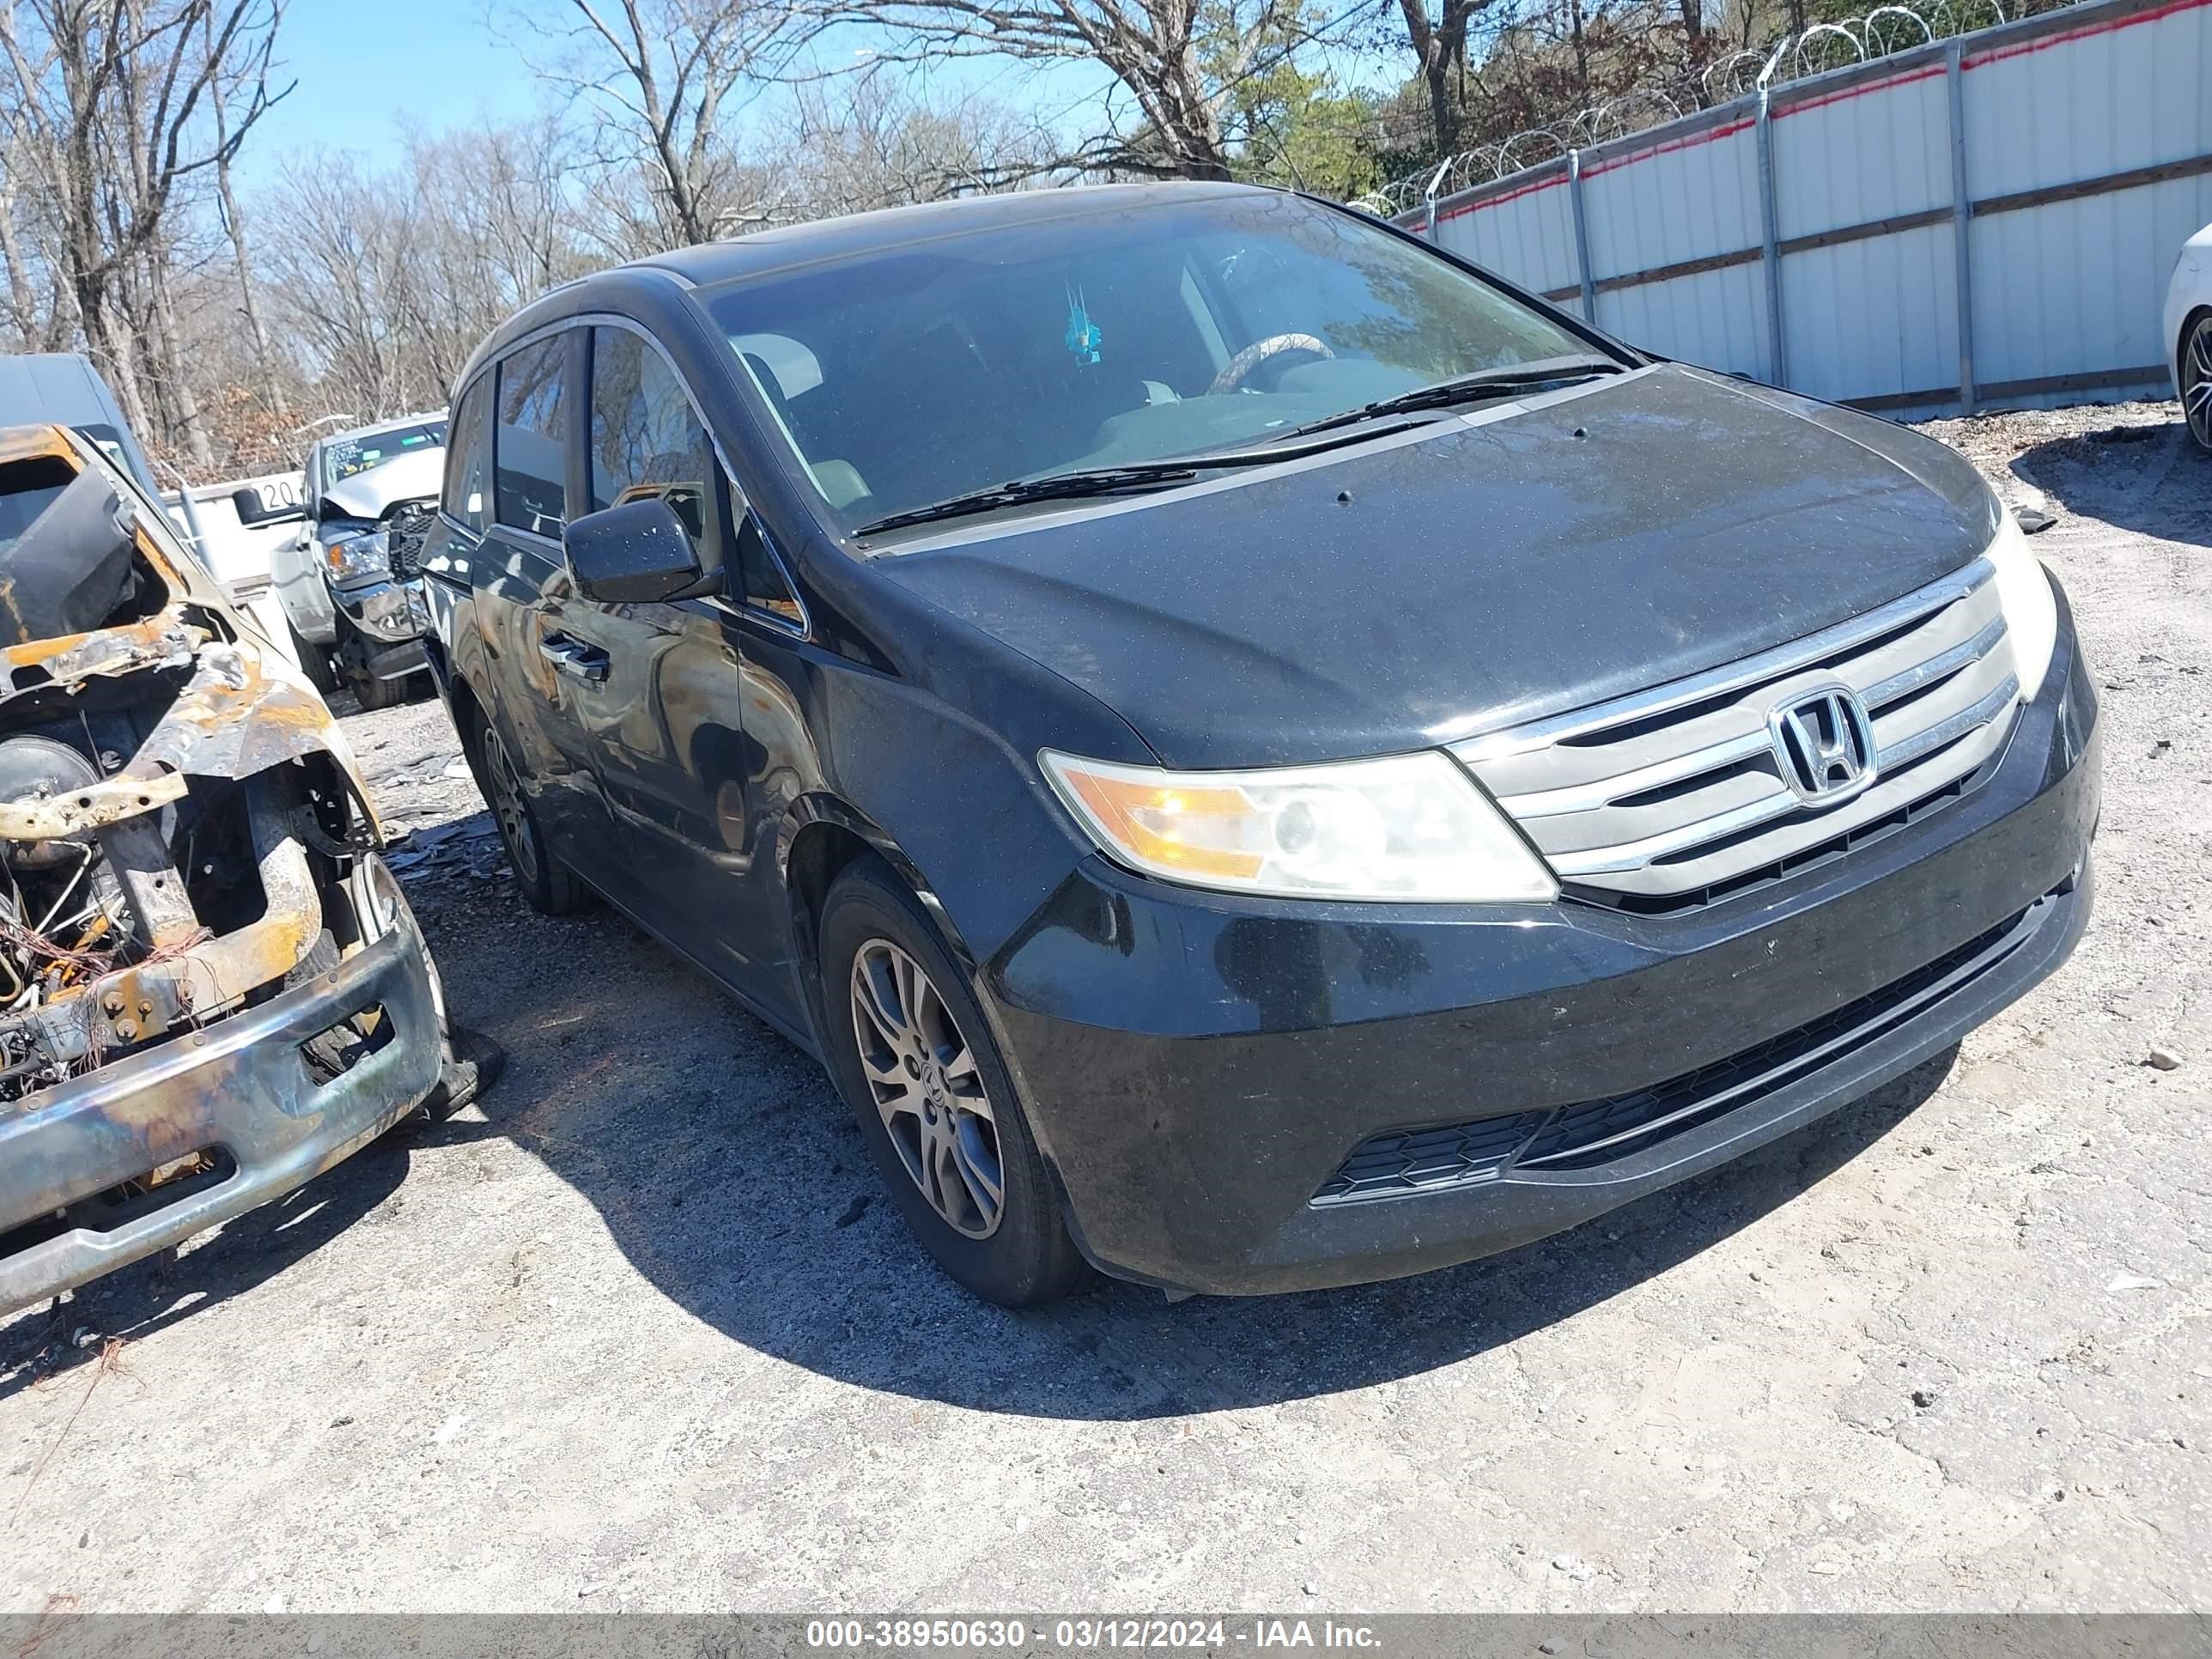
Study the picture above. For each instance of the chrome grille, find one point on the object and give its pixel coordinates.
(1679, 788)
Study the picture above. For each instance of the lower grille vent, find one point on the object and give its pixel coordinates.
(1598, 1131)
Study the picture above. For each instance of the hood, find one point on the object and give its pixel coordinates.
(98, 586)
(1496, 571)
(418, 475)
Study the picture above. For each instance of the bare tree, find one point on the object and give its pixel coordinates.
(26, 316)
(234, 224)
(107, 101)
(877, 142)
(1178, 60)
(660, 77)
(383, 283)
(1439, 43)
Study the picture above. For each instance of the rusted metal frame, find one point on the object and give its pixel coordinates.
(95, 806)
(157, 642)
(160, 910)
(243, 1085)
(215, 977)
(187, 983)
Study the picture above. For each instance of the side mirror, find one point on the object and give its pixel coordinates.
(254, 508)
(638, 553)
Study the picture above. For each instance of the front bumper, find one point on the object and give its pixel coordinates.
(388, 612)
(1203, 1069)
(242, 1087)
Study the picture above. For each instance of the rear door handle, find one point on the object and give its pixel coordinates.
(574, 657)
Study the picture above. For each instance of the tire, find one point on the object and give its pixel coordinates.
(2197, 379)
(372, 693)
(473, 1063)
(1020, 1255)
(314, 663)
(350, 656)
(549, 886)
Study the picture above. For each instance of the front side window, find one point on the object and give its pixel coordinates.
(647, 444)
(529, 450)
(905, 375)
(466, 461)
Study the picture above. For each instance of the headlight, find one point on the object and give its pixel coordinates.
(355, 557)
(2030, 613)
(1410, 828)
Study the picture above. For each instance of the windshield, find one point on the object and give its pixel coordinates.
(905, 376)
(343, 457)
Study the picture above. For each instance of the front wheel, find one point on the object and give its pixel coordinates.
(910, 1051)
(549, 885)
(315, 661)
(351, 655)
(2196, 380)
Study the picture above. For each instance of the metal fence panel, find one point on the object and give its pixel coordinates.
(1527, 234)
(1724, 311)
(1876, 318)
(2082, 140)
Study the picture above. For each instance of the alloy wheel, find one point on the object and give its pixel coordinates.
(2197, 381)
(507, 807)
(922, 1076)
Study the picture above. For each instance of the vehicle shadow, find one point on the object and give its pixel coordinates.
(2151, 479)
(733, 1179)
(134, 1302)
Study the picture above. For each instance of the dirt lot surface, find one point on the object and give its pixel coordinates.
(643, 1333)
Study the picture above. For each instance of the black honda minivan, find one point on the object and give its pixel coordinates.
(1257, 755)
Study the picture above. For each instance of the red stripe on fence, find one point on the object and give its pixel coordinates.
(1997, 54)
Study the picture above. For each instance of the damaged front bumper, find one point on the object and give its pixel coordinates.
(244, 1091)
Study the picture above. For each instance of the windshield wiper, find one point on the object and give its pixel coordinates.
(1478, 388)
(1052, 487)
(1109, 480)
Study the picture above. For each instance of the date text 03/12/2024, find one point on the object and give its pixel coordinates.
(1079, 1634)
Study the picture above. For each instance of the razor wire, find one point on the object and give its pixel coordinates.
(1881, 32)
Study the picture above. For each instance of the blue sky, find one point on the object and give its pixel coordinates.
(367, 76)
(368, 73)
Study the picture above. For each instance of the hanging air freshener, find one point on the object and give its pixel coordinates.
(1083, 336)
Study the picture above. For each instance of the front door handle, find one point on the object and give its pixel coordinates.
(574, 657)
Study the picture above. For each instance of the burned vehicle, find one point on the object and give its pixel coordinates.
(210, 986)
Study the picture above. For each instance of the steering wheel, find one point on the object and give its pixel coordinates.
(1241, 366)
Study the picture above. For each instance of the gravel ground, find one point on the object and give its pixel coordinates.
(643, 1333)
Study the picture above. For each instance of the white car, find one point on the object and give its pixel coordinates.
(2189, 333)
(353, 622)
